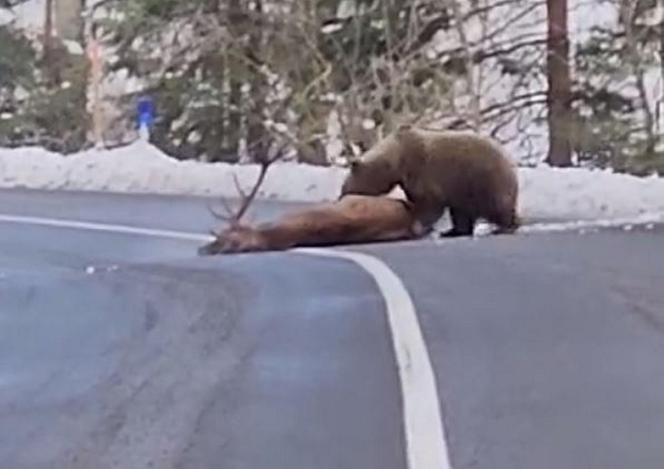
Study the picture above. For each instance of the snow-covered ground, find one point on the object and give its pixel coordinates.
(576, 194)
(141, 167)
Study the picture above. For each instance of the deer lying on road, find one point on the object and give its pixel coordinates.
(352, 219)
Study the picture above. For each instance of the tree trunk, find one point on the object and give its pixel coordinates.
(559, 82)
(660, 6)
(256, 135)
(233, 67)
(47, 44)
(660, 103)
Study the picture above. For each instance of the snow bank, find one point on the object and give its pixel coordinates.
(585, 194)
(141, 167)
(28, 15)
(547, 193)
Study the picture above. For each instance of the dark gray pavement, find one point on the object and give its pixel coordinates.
(546, 347)
(187, 213)
(272, 361)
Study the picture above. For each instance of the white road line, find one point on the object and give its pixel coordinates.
(425, 436)
(426, 445)
(93, 226)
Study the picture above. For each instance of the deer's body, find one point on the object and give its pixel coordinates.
(352, 219)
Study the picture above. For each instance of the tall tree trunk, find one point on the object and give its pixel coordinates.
(559, 81)
(47, 44)
(660, 103)
(218, 143)
(256, 133)
(660, 9)
(233, 70)
(216, 129)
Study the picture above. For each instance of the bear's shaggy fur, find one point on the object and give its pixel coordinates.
(439, 169)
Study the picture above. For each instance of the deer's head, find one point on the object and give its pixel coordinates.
(232, 240)
(239, 237)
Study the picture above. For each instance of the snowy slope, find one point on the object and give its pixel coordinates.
(28, 16)
(547, 193)
(141, 167)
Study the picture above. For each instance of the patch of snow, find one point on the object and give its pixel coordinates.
(583, 194)
(331, 28)
(141, 167)
(648, 220)
(590, 197)
(30, 15)
(347, 9)
(6, 17)
(74, 47)
(584, 15)
(368, 124)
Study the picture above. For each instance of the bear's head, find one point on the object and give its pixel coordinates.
(375, 172)
(368, 179)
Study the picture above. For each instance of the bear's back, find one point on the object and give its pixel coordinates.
(454, 164)
(468, 147)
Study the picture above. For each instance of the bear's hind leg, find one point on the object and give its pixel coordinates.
(463, 224)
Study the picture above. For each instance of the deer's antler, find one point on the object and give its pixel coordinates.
(233, 216)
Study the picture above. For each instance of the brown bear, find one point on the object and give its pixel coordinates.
(439, 169)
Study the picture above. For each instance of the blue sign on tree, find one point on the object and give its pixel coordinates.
(145, 115)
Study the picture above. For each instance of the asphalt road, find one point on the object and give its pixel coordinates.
(128, 351)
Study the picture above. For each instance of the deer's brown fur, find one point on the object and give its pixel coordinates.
(352, 219)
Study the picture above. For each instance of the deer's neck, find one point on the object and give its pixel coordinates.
(276, 236)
